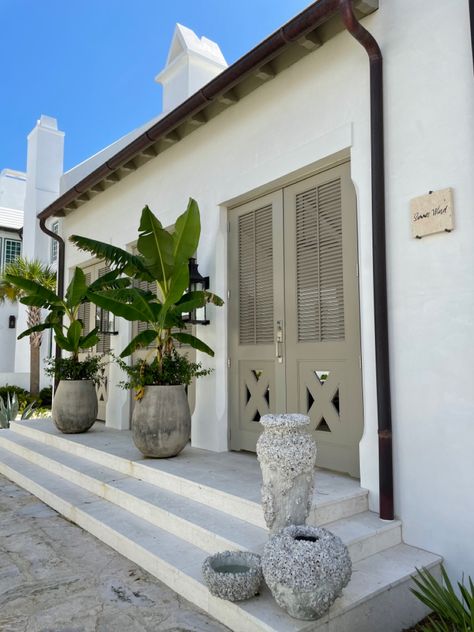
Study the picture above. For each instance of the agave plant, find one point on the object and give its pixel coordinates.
(455, 612)
(162, 259)
(8, 411)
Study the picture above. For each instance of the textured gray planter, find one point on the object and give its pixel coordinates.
(161, 421)
(287, 455)
(233, 575)
(75, 406)
(306, 569)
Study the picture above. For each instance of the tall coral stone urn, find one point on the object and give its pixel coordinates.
(287, 455)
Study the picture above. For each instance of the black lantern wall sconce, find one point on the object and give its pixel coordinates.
(11, 322)
(105, 321)
(197, 283)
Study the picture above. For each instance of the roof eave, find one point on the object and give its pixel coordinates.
(260, 64)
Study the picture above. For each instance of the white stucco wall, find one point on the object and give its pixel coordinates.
(314, 109)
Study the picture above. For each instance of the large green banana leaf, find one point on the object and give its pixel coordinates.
(155, 244)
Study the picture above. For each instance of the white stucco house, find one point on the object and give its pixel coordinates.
(344, 299)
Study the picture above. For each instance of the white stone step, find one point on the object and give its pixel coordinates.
(376, 598)
(208, 528)
(228, 482)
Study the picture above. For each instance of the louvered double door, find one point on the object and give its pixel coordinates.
(294, 315)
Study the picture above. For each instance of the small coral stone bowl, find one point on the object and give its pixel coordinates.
(233, 575)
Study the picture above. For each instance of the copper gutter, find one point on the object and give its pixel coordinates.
(304, 23)
(60, 274)
(384, 408)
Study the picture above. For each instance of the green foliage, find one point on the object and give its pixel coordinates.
(68, 336)
(8, 410)
(163, 258)
(29, 411)
(29, 269)
(73, 369)
(22, 395)
(174, 369)
(455, 613)
(45, 397)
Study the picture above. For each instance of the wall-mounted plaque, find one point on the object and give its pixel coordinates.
(432, 213)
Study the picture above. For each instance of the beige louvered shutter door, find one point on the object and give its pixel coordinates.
(256, 299)
(322, 314)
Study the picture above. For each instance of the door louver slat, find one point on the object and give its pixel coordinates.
(319, 270)
(256, 277)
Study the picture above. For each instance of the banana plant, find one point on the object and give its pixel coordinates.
(162, 258)
(69, 335)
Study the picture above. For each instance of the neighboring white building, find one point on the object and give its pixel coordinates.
(22, 196)
(12, 196)
(270, 145)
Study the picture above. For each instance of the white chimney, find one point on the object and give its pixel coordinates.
(44, 171)
(191, 63)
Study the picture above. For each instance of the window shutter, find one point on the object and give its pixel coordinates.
(256, 277)
(84, 311)
(104, 344)
(319, 264)
(141, 325)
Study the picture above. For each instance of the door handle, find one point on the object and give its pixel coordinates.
(279, 341)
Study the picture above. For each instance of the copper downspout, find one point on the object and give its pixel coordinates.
(60, 273)
(384, 408)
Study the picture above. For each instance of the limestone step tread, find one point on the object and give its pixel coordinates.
(229, 481)
(212, 530)
(178, 563)
(209, 528)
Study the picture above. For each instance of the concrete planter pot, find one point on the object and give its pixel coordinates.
(233, 575)
(306, 569)
(75, 406)
(161, 421)
(287, 456)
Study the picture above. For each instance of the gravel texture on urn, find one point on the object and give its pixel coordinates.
(233, 575)
(287, 456)
(306, 569)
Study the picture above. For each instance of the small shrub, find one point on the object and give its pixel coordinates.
(91, 368)
(454, 613)
(174, 369)
(45, 397)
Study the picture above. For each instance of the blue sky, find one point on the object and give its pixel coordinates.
(91, 63)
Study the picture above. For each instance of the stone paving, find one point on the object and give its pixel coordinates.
(55, 577)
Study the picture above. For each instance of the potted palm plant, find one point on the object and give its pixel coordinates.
(161, 420)
(74, 407)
